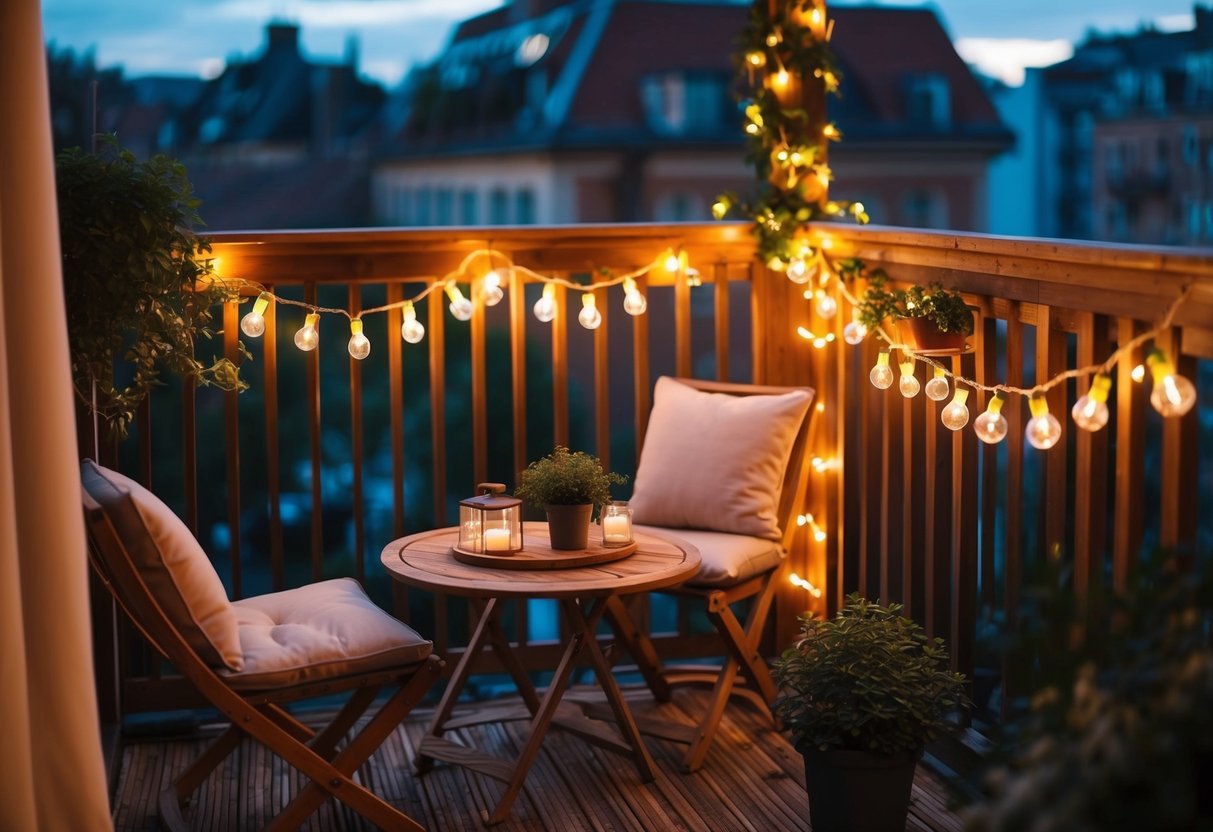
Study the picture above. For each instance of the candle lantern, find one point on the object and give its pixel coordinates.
(491, 522)
(616, 524)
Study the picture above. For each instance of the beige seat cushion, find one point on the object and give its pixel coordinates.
(727, 559)
(320, 631)
(172, 564)
(715, 461)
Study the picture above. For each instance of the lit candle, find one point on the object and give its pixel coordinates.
(496, 540)
(616, 528)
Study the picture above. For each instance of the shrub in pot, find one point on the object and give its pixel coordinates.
(569, 486)
(863, 693)
(930, 319)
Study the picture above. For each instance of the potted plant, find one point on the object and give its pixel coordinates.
(937, 320)
(570, 486)
(136, 279)
(863, 693)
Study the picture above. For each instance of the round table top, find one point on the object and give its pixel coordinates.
(425, 560)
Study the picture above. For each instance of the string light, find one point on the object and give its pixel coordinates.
(882, 374)
(491, 291)
(855, 331)
(1090, 412)
(799, 271)
(1173, 394)
(360, 345)
(673, 262)
(827, 307)
(634, 302)
(818, 532)
(937, 387)
(411, 330)
(589, 317)
(756, 59)
(545, 307)
(459, 306)
(253, 324)
(956, 415)
(308, 335)
(991, 426)
(796, 580)
(819, 341)
(1138, 373)
(1043, 429)
(692, 275)
(908, 384)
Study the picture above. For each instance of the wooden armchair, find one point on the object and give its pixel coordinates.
(724, 467)
(250, 657)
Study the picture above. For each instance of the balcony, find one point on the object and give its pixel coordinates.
(901, 508)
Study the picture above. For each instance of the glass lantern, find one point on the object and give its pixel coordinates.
(491, 522)
(616, 524)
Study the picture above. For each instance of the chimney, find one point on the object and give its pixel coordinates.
(283, 36)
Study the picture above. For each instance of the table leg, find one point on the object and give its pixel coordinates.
(500, 643)
(584, 625)
(488, 615)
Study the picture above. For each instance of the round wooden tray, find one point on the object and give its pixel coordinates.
(537, 552)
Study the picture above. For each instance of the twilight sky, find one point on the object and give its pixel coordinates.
(196, 36)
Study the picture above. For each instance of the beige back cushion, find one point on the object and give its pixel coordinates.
(172, 564)
(716, 461)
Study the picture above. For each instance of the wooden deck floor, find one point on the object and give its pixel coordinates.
(752, 780)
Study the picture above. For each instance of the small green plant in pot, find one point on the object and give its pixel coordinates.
(937, 320)
(863, 693)
(570, 486)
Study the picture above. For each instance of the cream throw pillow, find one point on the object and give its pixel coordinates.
(171, 563)
(716, 461)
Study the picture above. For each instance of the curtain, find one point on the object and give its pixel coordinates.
(51, 771)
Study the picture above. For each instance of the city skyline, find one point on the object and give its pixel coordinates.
(196, 37)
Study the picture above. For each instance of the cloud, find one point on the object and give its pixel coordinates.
(1006, 58)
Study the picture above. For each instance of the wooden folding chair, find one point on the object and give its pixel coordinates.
(745, 672)
(253, 701)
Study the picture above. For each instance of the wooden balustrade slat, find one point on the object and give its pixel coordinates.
(231, 429)
(560, 367)
(919, 505)
(893, 534)
(143, 427)
(1179, 456)
(356, 446)
(395, 365)
(683, 360)
(986, 341)
(189, 452)
(1090, 465)
(273, 465)
(937, 539)
(312, 358)
(642, 383)
(1053, 499)
(480, 425)
(962, 627)
(518, 321)
(602, 381)
(871, 459)
(720, 286)
(436, 337)
(1013, 410)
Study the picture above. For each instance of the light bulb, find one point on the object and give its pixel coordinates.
(460, 306)
(956, 415)
(854, 332)
(1173, 394)
(253, 324)
(827, 307)
(798, 271)
(360, 345)
(589, 316)
(490, 291)
(882, 373)
(545, 307)
(1139, 373)
(693, 278)
(937, 387)
(756, 59)
(1090, 412)
(633, 302)
(308, 335)
(776, 264)
(720, 208)
(908, 384)
(671, 263)
(991, 426)
(1043, 429)
(411, 330)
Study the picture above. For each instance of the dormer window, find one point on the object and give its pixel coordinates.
(928, 100)
(685, 103)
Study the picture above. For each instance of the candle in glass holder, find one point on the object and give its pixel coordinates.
(617, 525)
(496, 540)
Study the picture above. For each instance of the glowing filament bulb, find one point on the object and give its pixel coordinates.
(411, 330)
(308, 335)
(1090, 412)
(908, 384)
(633, 301)
(545, 307)
(855, 331)
(991, 426)
(756, 59)
(1139, 373)
(779, 81)
(589, 316)
(1043, 429)
(720, 207)
(253, 324)
(799, 271)
(882, 374)
(807, 586)
(360, 345)
(693, 277)
(491, 290)
(1173, 394)
(827, 307)
(937, 387)
(673, 261)
(460, 306)
(956, 415)
(831, 132)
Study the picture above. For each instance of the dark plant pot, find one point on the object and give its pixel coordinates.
(569, 526)
(854, 791)
(926, 337)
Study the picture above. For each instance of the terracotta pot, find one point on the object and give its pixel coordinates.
(855, 791)
(926, 337)
(569, 526)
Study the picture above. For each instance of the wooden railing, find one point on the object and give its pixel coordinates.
(910, 511)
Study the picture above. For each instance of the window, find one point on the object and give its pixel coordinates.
(499, 207)
(1191, 145)
(467, 208)
(445, 209)
(928, 100)
(680, 103)
(400, 212)
(421, 208)
(524, 207)
(679, 206)
(921, 208)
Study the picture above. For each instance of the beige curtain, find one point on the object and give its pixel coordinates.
(51, 772)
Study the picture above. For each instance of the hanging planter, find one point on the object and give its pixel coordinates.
(929, 320)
